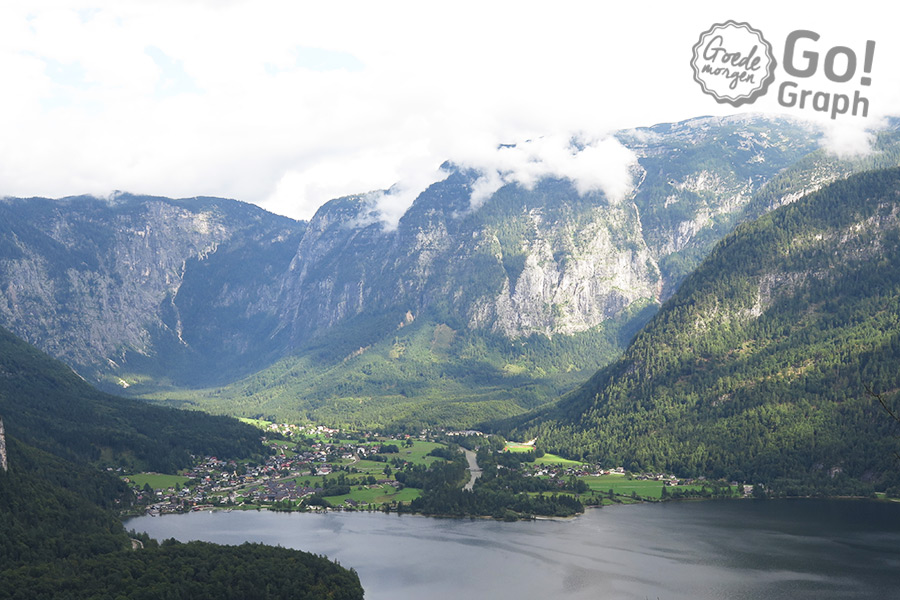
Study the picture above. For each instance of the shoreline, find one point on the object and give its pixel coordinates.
(323, 511)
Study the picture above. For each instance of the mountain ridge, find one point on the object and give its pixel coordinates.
(539, 286)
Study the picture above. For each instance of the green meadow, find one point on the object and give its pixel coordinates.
(516, 447)
(376, 495)
(623, 486)
(552, 459)
(259, 423)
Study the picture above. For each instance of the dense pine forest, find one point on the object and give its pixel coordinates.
(757, 369)
(46, 404)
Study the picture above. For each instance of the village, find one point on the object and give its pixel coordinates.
(297, 471)
(318, 468)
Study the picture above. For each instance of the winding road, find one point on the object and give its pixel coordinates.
(474, 471)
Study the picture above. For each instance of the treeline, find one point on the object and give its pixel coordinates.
(437, 477)
(757, 369)
(186, 572)
(498, 504)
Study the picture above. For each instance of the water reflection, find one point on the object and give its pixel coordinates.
(715, 550)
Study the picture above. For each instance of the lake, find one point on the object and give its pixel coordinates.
(784, 549)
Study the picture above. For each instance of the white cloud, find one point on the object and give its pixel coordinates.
(289, 104)
(850, 139)
(391, 205)
(485, 186)
(596, 165)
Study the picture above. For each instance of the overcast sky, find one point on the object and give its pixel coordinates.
(289, 104)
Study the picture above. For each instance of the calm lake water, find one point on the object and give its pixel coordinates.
(786, 549)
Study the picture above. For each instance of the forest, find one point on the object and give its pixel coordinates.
(502, 493)
(186, 572)
(756, 370)
(45, 404)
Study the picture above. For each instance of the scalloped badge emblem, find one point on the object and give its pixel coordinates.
(733, 63)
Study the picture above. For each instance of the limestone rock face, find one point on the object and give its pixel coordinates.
(546, 260)
(91, 281)
(4, 463)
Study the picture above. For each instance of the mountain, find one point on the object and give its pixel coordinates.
(757, 368)
(461, 316)
(94, 282)
(542, 261)
(457, 315)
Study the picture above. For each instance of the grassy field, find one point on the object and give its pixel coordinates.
(515, 447)
(157, 481)
(417, 454)
(376, 495)
(546, 459)
(552, 459)
(284, 447)
(622, 489)
(621, 485)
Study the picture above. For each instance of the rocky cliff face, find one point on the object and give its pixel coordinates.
(4, 463)
(522, 266)
(548, 260)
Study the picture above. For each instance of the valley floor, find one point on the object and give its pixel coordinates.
(315, 468)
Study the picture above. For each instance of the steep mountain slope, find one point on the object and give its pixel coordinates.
(43, 403)
(554, 284)
(547, 260)
(756, 368)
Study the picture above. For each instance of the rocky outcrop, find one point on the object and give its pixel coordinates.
(574, 276)
(543, 268)
(4, 462)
